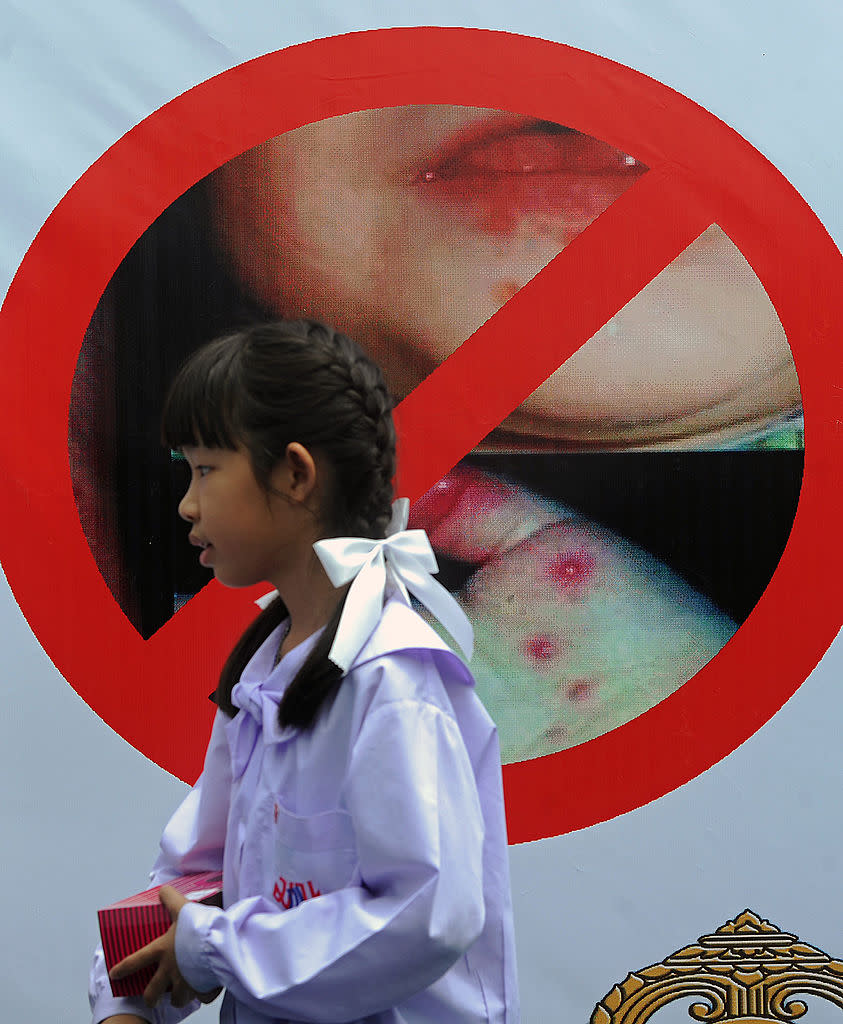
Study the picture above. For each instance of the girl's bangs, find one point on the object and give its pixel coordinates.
(200, 407)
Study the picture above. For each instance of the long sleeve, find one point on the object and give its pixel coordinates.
(194, 838)
(415, 905)
(193, 841)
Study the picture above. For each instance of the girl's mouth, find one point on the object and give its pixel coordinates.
(204, 545)
(499, 172)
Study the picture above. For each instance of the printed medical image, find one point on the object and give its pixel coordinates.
(599, 583)
(409, 227)
(621, 522)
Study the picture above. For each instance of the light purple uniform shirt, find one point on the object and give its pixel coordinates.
(365, 860)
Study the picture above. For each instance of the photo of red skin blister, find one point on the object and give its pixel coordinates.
(564, 563)
(581, 691)
(572, 572)
(543, 650)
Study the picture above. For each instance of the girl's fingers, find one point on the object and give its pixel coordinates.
(157, 987)
(134, 961)
(172, 900)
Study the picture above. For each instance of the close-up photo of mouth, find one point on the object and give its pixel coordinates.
(495, 173)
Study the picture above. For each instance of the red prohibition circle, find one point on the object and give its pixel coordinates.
(701, 172)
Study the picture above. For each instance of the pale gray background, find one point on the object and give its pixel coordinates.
(760, 829)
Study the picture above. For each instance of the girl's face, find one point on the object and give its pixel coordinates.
(409, 227)
(246, 534)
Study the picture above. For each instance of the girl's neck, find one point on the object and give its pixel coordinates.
(310, 598)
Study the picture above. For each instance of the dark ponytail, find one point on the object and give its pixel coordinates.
(261, 389)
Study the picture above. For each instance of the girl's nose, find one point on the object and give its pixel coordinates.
(187, 506)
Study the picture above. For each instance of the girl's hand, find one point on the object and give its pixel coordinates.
(162, 951)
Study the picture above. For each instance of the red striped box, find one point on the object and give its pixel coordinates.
(132, 923)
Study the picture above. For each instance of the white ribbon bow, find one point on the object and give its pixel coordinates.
(405, 558)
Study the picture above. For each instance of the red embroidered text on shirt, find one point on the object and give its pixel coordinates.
(290, 894)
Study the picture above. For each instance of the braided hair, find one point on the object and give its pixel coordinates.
(261, 389)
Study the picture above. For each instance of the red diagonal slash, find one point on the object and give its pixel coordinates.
(553, 315)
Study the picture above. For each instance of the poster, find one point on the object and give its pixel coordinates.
(754, 831)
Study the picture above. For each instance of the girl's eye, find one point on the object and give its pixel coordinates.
(203, 470)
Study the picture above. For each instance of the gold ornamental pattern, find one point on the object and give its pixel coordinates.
(748, 970)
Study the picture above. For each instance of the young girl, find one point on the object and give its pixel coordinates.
(351, 792)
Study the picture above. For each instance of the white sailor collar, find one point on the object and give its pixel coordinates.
(401, 630)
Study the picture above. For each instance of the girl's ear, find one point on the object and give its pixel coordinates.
(295, 474)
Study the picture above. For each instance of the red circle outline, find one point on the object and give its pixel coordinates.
(140, 687)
